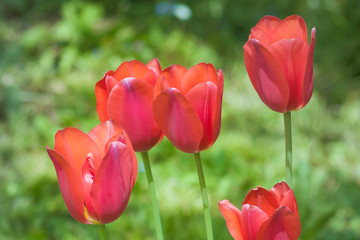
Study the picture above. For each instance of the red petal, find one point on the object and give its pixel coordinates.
(290, 202)
(218, 105)
(199, 73)
(101, 95)
(74, 146)
(112, 185)
(252, 218)
(264, 29)
(155, 66)
(178, 120)
(130, 104)
(279, 190)
(132, 68)
(70, 186)
(292, 55)
(103, 132)
(308, 76)
(291, 27)
(170, 77)
(263, 199)
(232, 217)
(202, 99)
(266, 76)
(283, 225)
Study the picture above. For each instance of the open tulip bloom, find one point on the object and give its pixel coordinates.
(96, 171)
(265, 215)
(126, 96)
(279, 62)
(187, 109)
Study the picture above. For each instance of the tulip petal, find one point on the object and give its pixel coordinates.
(74, 146)
(70, 186)
(266, 76)
(202, 99)
(232, 217)
(101, 95)
(291, 56)
(291, 27)
(308, 76)
(264, 29)
(279, 190)
(155, 66)
(103, 132)
(252, 218)
(112, 186)
(290, 202)
(217, 111)
(199, 73)
(170, 77)
(178, 120)
(132, 68)
(283, 225)
(130, 104)
(263, 199)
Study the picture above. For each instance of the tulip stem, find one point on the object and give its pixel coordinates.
(102, 232)
(208, 224)
(155, 205)
(288, 148)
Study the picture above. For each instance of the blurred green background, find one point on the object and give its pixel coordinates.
(53, 52)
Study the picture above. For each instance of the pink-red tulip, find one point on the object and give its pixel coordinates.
(188, 107)
(265, 215)
(126, 96)
(96, 171)
(279, 62)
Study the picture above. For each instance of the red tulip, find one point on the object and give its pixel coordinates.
(279, 62)
(188, 107)
(126, 96)
(96, 171)
(265, 215)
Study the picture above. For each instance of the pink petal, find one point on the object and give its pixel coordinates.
(112, 184)
(218, 105)
(70, 186)
(263, 199)
(178, 120)
(291, 56)
(103, 132)
(199, 73)
(308, 76)
(74, 146)
(132, 68)
(101, 95)
(266, 76)
(130, 104)
(252, 218)
(264, 29)
(232, 217)
(283, 225)
(202, 99)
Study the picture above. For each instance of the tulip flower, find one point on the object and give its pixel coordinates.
(265, 215)
(96, 171)
(188, 106)
(126, 96)
(188, 111)
(279, 62)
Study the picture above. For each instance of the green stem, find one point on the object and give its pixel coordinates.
(288, 147)
(102, 232)
(155, 205)
(208, 225)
